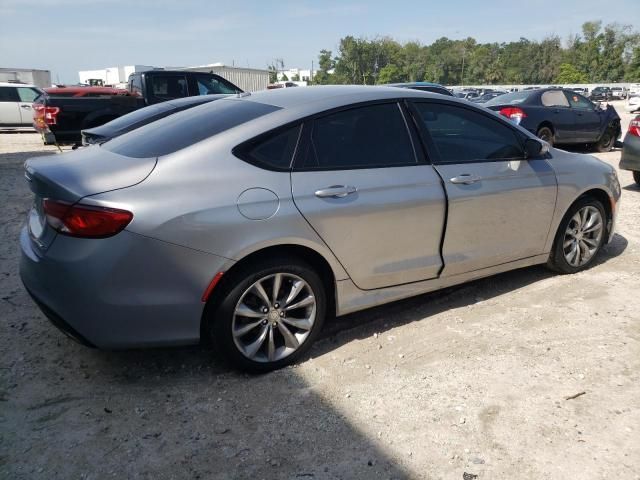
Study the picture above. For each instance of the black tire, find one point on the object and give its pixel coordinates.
(607, 140)
(220, 318)
(557, 261)
(546, 134)
(636, 177)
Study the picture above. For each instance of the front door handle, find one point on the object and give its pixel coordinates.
(336, 191)
(28, 107)
(465, 179)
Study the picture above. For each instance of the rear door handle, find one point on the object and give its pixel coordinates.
(465, 179)
(336, 191)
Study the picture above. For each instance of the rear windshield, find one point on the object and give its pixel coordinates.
(510, 98)
(186, 128)
(140, 115)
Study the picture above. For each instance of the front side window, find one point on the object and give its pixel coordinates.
(208, 85)
(554, 98)
(463, 135)
(169, 86)
(578, 101)
(9, 94)
(373, 136)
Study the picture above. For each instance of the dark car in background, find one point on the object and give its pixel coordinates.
(467, 94)
(600, 94)
(630, 159)
(561, 116)
(61, 114)
(485, 97)
(423, 87)
(144, 116)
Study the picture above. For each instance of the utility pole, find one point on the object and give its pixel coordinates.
(311, 73)
(462, 74)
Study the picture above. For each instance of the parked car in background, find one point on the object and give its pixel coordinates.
(423, 87)
(141, 117)
(584, 91)
(268, 212)
(561, 116)
(633, 104)
(618, 93)
(600, 94)
(16, 105)
(487, 96)
(466, 94)
(630, 158)
(61, 115)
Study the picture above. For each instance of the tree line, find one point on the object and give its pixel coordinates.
(609, 53)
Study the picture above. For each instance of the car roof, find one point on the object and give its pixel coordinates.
(15, 84)
(195, 100)
(323, 97)
(414, 84)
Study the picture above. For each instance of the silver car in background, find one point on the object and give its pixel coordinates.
(249, 220)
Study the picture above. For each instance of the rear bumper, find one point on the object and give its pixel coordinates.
(630, 158)
(121, 292)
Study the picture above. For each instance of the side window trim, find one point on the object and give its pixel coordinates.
(305, 142)
(433, 150)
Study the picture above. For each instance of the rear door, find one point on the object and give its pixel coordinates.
(500, 205)
(559, 113)
(27, 95)
(587, 120)
(9, 107)
(369, 194)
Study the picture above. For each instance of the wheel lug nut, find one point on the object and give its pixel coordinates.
(282, 314)
(274, 324)
(265, 309)
(277, 305)
(264, 322)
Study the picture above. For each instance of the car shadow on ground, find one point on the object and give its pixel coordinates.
(632, 187)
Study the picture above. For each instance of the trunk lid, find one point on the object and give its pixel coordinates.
(72, 176)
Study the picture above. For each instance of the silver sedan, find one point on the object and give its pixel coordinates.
(248, 221)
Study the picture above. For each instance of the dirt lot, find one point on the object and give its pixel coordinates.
(470, 380)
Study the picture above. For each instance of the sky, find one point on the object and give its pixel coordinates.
(66, 36)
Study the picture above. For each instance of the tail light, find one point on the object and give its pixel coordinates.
(44, 115)
(85, 220)
(514, 113)
(634, 127)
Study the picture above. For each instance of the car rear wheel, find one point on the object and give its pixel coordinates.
(269, 315)
(580, 236)
(636, 177)
(546, 134)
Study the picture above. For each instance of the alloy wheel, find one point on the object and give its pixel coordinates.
(583, 236)
(273, 317)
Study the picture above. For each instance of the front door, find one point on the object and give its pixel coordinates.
(27, 95)
(500, 204)
(360, 184)
(587, 120)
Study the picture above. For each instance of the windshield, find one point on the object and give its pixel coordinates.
(514, 98)
(208, 84)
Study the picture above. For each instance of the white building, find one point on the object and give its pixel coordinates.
(40, 78)
(112, 75)
(297, 75)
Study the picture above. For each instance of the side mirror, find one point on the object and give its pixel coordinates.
(535, 148)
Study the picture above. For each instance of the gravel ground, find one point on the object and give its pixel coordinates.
(474, 379)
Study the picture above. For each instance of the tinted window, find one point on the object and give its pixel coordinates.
(168, 86)
(27, 94)
(554, 98)
(274, 151)
(578, 101)
(183, 129)
(8, 94)
(514, 98)
(135, 85)
(372, 136)
(208, 85)
(463, 135)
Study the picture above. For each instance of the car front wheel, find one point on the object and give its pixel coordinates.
(546, 134)
(269, 315)
(580, 236)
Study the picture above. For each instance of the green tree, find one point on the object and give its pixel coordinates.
(390, 74)
(569, 73)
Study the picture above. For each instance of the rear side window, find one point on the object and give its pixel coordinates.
(27, 94)
(554, 98)
(273, 151)
(367, 137)
(462, 135)
(8, 94)
(186, 128)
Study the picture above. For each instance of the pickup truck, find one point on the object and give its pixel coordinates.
(61, 116)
